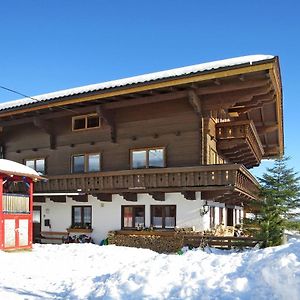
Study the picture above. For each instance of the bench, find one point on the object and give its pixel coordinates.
(52, 237)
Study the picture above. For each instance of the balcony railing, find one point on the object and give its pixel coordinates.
(239, 142)
(226, 177)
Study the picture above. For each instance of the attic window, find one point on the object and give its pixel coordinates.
(85, 122)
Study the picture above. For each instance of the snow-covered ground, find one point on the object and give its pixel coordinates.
(86, 271)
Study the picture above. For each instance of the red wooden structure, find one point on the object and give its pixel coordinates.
(16, 204)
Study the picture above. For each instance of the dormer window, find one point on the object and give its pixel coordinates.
(86, 122)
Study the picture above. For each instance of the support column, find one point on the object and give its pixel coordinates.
(30, 225)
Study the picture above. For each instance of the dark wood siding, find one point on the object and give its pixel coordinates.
(173, 125)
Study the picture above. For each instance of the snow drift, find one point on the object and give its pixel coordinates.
(86, 271)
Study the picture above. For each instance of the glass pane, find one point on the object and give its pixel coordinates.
(128, 216)
(93, 121)
(139, 159)
(169, 222)
(77, 215)
(30, 163)
(156, 158)
(157, 217)
(93, 162)
(78, 164)
(139, 217)
(170, 213)
(87, 216)
(36, 218)
(40, 166)
(79, 123)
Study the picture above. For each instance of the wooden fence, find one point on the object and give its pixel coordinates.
(223, 242)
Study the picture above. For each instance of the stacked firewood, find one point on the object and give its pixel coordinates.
(160, 244)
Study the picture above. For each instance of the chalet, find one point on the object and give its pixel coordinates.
(164, 150)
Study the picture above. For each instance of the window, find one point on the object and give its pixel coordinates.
(133, 216)
(163, 216)
(82, 217)
(148, 158)
(86, 122)
(213, 156)
(82, 163)
(36, 164)
(212, 217)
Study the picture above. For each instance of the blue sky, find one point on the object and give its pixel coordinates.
(50, 45)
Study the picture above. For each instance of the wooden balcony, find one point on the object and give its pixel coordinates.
(229, 182)
(239, 143)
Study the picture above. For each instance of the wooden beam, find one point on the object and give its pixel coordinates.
(211, 195)
(39, 199)
(80, 198)
(129, 196)
(266, 129)
(189, 195)
(48, 128)
(108, 117)
(232, 86)
(256, 103)
(273, 149)
(60, 198)
(158, 196)
(227, 100)
(106, 197)
(173, 95)
(195, 102)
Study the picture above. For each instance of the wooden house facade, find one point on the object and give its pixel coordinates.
(163, 150)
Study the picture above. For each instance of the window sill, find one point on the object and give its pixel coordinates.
(79, 230)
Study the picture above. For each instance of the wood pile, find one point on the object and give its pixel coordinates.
(171, 242)
(160, 244)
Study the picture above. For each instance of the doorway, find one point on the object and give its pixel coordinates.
(36, 223)
(229, 217)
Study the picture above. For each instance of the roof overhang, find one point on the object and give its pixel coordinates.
(271, 125)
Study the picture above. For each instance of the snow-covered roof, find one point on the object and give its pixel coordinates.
(10, 167)
(209, 66)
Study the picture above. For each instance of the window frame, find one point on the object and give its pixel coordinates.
(133, 218)
(35, 159)
(163, 216)
(82, 216)
(86, 156)
(148, 149)
(85, 117)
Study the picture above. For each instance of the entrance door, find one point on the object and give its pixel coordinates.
(229, 217)
(36, 223)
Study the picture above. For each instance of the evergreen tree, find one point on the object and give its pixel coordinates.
(280, 203)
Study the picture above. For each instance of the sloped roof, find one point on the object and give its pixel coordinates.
(204, 67)
(10, 167)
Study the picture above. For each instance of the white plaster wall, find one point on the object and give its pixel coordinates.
(106, 216)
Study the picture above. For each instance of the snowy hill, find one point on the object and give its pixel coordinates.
(86, 271)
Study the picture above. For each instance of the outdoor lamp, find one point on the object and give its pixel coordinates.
(204, 209)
